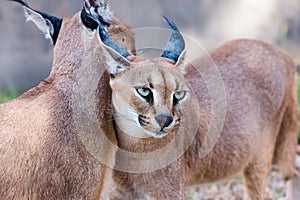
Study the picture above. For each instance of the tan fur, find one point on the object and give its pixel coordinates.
(122, 34)
(260, 127)
(150, 184)
(42, 155)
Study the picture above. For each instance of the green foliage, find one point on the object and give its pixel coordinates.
(190, 196)
(6, 95)
(279, 192)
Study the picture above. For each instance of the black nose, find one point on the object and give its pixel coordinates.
(164, 120)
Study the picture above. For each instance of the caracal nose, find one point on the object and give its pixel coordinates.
(164, 120)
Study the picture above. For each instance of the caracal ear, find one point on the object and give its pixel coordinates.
(49, 25)
(115, 54)
(116, 63)
(180, 62)
(98, 8)
(42, 23)
(175, 48)
(95, 11)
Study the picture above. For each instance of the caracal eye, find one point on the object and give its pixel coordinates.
(179, 95)
(144, 92)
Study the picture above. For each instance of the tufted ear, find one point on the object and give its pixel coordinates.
(95, 11)
(181, 63)
(115, 55)
(49, 25)
(175, 48)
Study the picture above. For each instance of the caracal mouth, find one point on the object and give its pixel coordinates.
(160, 134)
(155, 134)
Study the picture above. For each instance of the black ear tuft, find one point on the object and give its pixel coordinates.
(88, 20)
(56, 23)
(176, 44)
(95, 12)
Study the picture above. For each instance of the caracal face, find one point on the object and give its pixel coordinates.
(148, 98)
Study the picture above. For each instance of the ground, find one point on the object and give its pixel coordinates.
(233, 189)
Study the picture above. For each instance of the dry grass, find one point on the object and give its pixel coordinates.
(233, 189)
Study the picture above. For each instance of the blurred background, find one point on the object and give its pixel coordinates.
(26, 56)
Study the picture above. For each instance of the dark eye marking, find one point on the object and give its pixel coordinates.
(178, 96)
(146, 93)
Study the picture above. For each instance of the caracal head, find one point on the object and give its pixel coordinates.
(148, 97)
(147, 94)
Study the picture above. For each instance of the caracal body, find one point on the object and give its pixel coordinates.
(42, 155)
